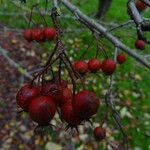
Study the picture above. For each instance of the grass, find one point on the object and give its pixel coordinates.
(132, 80)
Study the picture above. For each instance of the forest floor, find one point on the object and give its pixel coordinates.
(15, 132)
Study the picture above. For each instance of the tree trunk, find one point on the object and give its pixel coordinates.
(103, 8)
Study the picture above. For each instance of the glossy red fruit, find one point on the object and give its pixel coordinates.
(86, 104)
(68, 114)
(25, 94)
(38, 35)
(81, 66)
(108, 66)
(27, 34)
(94, 65)
(121, 58)
(140, 5)
(140, 44)
(49, 33)
(42, 109)
(54, 91)
(99, 133)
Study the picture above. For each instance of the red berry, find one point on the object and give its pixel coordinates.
(121, 58)
(99, 133)
(38, 35)
(68, 114)
(108, 66)
(42, 109)
(49, 33)
(27, 34)
(66, 95)
(25, 94)
(94, 64)
(140, 5)
(81, 66)
(86, 104)
(140, 44)
(62, 83)
(54, 91)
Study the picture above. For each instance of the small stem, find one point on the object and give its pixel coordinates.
(30, 19)
(59, 71)
(42, 16)
(71, 75)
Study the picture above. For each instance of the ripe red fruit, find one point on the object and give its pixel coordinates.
(94, 64)
(99, 133)
(140, 44)
(66, 95)
(62, 83)
(49, 33)
(68, 114)
(25, 94)
(42, 109)
(86, 104)
(80, 66)
(54, 91)
(27, 34)
(121, 58)
(108, 66)
(140, 5)
(38, 35)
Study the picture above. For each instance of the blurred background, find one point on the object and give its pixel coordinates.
(19, 59)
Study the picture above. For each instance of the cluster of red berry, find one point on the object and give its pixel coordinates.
(39, 34)
(42, 102)
(108, 66)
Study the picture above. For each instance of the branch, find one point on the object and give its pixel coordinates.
(134, 13)
(4, 53)
(55, 3)
(121, 25)
(138, 19)
(92, 25)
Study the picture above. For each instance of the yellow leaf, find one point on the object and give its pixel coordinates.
(52, 146)
(138, 77)
(14, 41)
